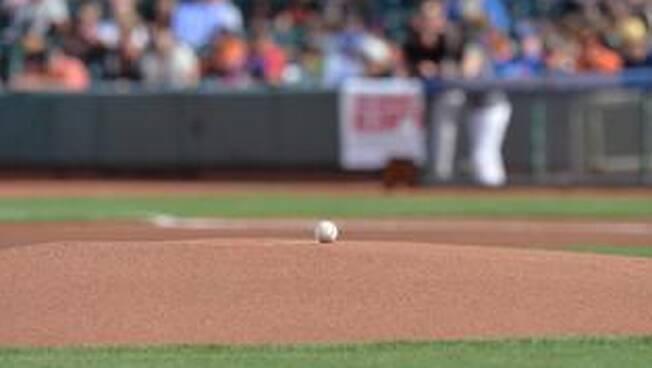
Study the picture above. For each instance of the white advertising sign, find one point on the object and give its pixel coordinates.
(381, 120)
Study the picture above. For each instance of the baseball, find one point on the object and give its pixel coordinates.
(326, 232)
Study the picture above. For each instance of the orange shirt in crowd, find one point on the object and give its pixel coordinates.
(230, 56)
(596, 57)
(275, 62)
(69, 73)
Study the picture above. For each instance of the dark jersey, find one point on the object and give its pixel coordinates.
(444, 50)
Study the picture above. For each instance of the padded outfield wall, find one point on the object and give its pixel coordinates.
(553, 134)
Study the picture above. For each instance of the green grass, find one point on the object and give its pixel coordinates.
(304, 205)
(576, 353)
(633, 251)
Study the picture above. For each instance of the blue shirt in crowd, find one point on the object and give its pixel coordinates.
(197, 22)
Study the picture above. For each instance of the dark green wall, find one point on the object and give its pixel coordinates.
(254, 129)
(169, 131)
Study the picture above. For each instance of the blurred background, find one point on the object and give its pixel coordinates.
(252, 84)
(74, 45)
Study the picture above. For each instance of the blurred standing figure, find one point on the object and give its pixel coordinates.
(267, 60)
(49, 69)
(170, 63)
(126, 38)
(37, 17)
(377, 56)
(83, 39)
(341, 49)
(436, 50)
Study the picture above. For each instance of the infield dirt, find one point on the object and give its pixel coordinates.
(265, 281)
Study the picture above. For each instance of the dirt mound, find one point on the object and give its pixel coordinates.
(283, 291)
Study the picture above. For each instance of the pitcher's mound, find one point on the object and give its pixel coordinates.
(280, 291)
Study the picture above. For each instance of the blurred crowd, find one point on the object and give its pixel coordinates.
(73, 45)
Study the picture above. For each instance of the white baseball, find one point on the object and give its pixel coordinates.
(326, 232)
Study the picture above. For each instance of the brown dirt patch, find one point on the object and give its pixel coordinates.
(284, 291)
(502, 233)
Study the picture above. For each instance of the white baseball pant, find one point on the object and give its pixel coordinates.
(488, 123)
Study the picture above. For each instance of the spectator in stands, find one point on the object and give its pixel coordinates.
(67, 72)
(480, 13)
(341, 47)
(125, 26)
(37, 17)
(197, 22)
(377, 56)
(123, 63)
(508, 62)
(595, 56)
(126, 37)
(267, 60)
(162, 13)
(634, 39)
(49, 70)
(502, 52)
(170, 63)
(308, 67)
(287, 31)
(561, 54)
(332, 40)
(84, 40)
(532, 52)
(308, 64)
(227, 59)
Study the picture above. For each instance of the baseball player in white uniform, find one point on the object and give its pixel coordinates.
(434, 51)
